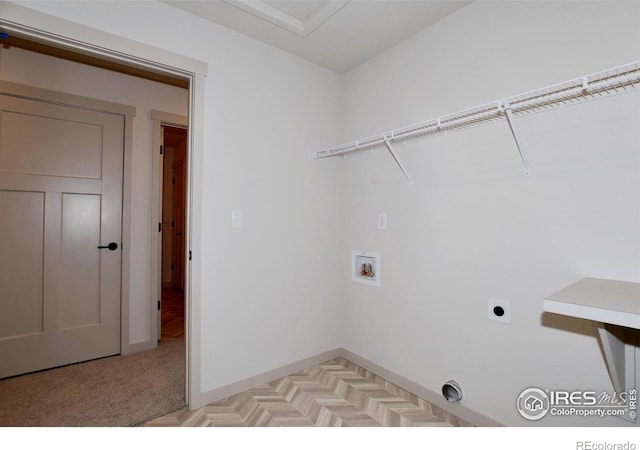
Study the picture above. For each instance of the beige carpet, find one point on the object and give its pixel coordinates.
(114, 391)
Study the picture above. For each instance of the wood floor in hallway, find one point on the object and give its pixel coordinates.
(336, 393)
(172, 314)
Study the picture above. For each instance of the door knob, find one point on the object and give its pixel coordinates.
(112, 246)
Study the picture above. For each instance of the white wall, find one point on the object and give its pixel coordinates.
(474, 227)
(270, 292)
(33, 69)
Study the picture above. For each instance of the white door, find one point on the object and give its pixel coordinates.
(60, 199)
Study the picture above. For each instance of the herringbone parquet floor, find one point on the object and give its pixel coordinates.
(336, 393)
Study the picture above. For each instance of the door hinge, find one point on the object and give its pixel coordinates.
(158, 305)
(161, 149)
(173, 181)
(159, 227)
(189, 255)
(173, 266)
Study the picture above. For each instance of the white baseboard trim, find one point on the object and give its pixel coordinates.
(458, 409)
(129, 349)
(228, 390)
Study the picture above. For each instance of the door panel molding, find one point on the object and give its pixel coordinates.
(87, 186)
(81, 296)
(25, 316)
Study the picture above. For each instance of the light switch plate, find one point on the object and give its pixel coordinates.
(382, 221)
(237, 220)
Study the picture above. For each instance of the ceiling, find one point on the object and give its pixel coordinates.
(336, 34)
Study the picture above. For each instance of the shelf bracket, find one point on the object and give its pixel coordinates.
(398, 162)
(619, 345)
(616, 354)
(516, 137)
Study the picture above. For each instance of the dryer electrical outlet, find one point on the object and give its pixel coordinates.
(499, 310)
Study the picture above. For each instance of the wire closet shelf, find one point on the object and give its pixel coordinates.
(617, 80)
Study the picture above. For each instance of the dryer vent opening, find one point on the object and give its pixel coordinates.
(452, 391)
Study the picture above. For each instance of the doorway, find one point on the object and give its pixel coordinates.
(72, 38)
(174, 175)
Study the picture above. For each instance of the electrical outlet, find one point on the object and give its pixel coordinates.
(499, 310)
(382, 221)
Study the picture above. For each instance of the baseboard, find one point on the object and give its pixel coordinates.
(228, 390)
(129, 349)
(457, 409)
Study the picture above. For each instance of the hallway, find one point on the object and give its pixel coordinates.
(172, 315)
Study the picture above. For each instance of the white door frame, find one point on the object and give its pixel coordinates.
(51, 30)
